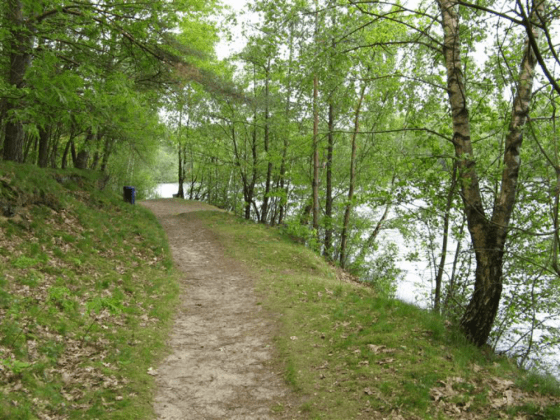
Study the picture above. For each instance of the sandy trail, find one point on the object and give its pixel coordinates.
(220, 366)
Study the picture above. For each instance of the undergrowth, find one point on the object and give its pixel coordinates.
(353, 353)
(86, 294)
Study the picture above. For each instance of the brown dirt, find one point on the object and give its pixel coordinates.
(222, 362)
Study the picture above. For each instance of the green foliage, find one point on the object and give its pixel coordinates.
(24, 262)
(15, 366)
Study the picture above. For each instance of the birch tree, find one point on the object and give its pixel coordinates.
(488, 229)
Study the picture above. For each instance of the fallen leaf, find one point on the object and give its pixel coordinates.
(375, 349)
(324, 365)
(509, 397)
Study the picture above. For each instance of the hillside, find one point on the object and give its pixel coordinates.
(351, 353)
(87, 292)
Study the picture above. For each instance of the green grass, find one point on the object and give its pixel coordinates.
(87, 292)
(351, 353)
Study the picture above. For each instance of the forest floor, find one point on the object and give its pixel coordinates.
(221, 363)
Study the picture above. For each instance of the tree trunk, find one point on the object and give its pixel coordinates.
(327, 252)
(446, 217)
(282, 184)
(450, 294)
(55, 144)
(19, 46)
(64, 162)
(43, 147)
(351, 186)
(254, 173)
(82, 160)
(254, 153)
(27, 145)
(283, 187)
(266, 198)
(181, 157)
(488, 236)
(315, 182)
(107, 150)
(181, 175)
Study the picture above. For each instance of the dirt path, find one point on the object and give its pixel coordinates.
(220, 366)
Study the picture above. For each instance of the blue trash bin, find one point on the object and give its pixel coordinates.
(129, 194)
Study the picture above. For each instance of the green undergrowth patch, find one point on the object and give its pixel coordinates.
(351, 353)
(87, 291)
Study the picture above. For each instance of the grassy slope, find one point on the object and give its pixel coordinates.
(353, 354)
(86, 295)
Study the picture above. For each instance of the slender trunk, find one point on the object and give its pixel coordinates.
(329, 192)
(107, 150)
(453, 280)
(193, 184)
(82, 158)
(264, 211)
(244, 178)
(488, 236)
(73, 152)
(95, 161)
(446, 217)
(43, 147)
(283, 187)
(328, 251)
(254, 173)
(350, 198)
(556, 205)
(193, 176)
(370, 241)
(315, 182)
(282, 183)
(65, 154)
(28, 144)
(97, 155)
(180, 174)
(254, 168)
(55, 139)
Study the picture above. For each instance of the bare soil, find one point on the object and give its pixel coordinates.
(222, 363)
